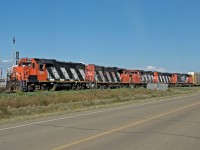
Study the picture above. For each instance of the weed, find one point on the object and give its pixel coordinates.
(4, 111)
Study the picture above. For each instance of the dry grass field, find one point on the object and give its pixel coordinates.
(19, 106)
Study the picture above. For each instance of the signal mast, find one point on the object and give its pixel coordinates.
(13, 58)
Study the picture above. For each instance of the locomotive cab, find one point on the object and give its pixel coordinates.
(29, 70)
(27, 73)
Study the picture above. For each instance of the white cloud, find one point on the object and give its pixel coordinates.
(6, 61)
(151, 68)
(161, 70)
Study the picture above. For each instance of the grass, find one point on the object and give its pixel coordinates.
(20, 105)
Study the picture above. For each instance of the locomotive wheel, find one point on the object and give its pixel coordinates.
(10, 87)
(132, 86)
(30, 88)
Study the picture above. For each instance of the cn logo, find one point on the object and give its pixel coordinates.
(89, 73)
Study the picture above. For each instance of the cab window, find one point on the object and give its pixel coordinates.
(41, 67)
(33, 65)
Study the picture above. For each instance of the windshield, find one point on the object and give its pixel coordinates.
(25, 64)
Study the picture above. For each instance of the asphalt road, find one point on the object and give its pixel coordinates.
(167, 124)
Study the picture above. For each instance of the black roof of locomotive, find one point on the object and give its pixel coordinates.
(45, 61)
(53, 61)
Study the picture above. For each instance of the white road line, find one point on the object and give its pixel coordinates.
(90, 113)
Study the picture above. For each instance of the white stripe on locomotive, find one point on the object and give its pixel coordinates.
(82, 73)
(113, 74)
(142, 78)
(164, 81)
(160, 79)
(108, 75)
(54, 71)
(49, 76)
(64, 71)
(119, 77)
(152, 78)
(102, 76)
(74, 74)
(166, 77)
(96, 79)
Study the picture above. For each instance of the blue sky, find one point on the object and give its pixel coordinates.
(146, 34)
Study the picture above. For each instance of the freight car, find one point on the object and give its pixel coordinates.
(195, 78)
(48, 74)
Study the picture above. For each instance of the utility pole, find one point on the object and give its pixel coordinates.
(13, 59)
(0, 73)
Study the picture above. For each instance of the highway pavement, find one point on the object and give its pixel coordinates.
(165, 124)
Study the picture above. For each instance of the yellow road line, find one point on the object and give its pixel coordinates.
(121, 128)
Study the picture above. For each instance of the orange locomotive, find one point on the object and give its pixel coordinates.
(29, 69)
(27, 72)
